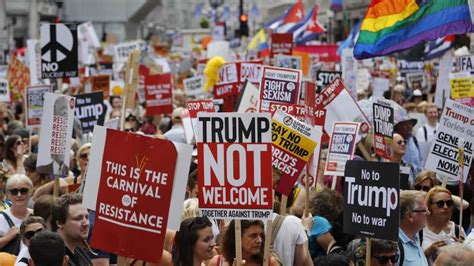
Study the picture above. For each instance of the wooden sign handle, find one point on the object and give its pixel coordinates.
(238, 243)
(368, 252)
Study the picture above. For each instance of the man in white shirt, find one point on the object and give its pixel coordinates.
(426, 133)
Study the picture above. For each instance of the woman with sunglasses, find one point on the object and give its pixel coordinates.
(28, 229)
(19, 192)
(440, 230)
(193, 243)
(13, 153)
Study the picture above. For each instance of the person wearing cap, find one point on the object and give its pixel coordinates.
(176, 133)
(404, 126)
(416, 97)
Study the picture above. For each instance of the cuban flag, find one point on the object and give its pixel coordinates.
(438, 47)
(351, 39)
(308, 28)
(291, 17)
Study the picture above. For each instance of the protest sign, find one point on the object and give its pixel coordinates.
(90, 109)
(34, 104)
(193, 86)
(295, 110)
(235, 177)
(250, 70)
(112, 123)
(34, 60)
(416, 80)
(456, 122)
(131, 80)
(341, 147)
(280, 85)
(4, 91)
(282, 43)
(379, 86)
(88, 43)
(227, 88)
(56, 134)
(324, 78)
(287, 61)
(371, 195)
(383, 128)
(18, 76)
(293, 145)
(442, 83)
(99, 83)
(59, 56)
(349, 71)
(410, 66)
(466, 63)
(335, 100)
(128, 176)
(158, 94)
(462, 87)
(196, 107)
(249, 99)
(123, 50)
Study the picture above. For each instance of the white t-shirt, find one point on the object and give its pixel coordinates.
(469, 242)
(291, 233)
(4, 227)
(24, 254)
(425, 143)
(429, 237)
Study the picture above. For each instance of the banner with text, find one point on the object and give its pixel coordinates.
(91, 110)
(281, 85)
(158, 94)
(383, 128)
(34, 104)
(341, 147)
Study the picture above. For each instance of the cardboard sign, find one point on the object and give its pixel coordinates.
(123, 50)
(91, 110)
(251, 71)
(295, 110)
(196, 107)
(324, 78)
(410, 66)
(59, 54)
(158, 94)
(249, 99)
(287, 61)
(235, 175)
(336, 100)
(293, 145)
(99, 83)
(88, 43)
(131, 79)
(131, 175)
(282, 43)
(193, 86)
(4, 91)
(443, 90)
(349, 71)
(56, 134)
(34, 104)
(383, 128)
(371, 195)
(462, 87)
(456, 122)
(416, 77)
(34, 60)
(18, 76)
(341, 147)
(466, 63)
(227, 88)
(279, 85)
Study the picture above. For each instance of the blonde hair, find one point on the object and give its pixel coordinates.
(190, 209)
(426, 174)
(434, 190)
(82, 148)
(17, 179)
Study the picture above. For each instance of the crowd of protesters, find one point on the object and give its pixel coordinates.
(37, 227)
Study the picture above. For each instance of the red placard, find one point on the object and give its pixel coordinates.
(296, 110)
(135, 179)
(282, 43)
(158, 94)
(280, 85)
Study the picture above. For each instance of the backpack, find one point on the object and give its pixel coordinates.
(13, 247)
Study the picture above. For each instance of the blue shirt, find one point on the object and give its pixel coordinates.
(320, 227)
(413, 253)
(412, 156)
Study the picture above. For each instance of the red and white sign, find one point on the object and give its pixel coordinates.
(195, 107)
(336, 101)
(282, 43)
(129, 176)
(279, 85)
(249, 99)
(296, 110)
(34, 104)
(158, 94)
(235, 175)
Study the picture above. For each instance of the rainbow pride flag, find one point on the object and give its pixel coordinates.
(394, 25)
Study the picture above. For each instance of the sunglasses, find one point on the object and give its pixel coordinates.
(385, 259)
(23, 191)
(19, 142)
(442, 203)
(424, 188)
(84, 156)
(425, 210)
(128, 130)
(400, 142)
(28, 235)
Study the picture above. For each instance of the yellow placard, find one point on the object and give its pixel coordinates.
(292, 141)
